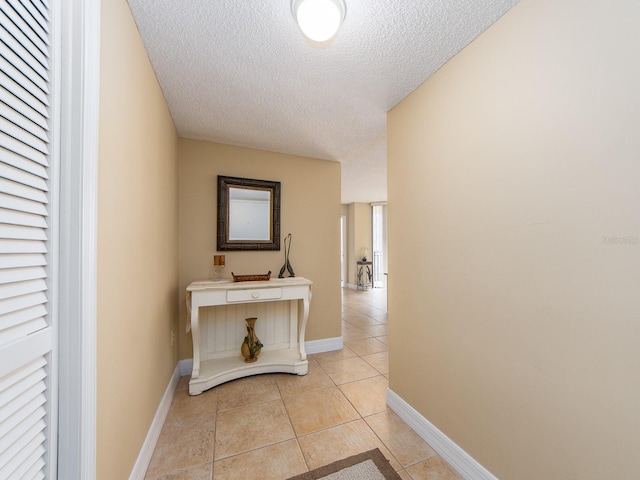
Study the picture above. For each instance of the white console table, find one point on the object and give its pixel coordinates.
(217, 333)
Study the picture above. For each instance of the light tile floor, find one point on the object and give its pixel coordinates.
(275, 426)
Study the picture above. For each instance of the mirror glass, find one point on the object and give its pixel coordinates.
(248, 214)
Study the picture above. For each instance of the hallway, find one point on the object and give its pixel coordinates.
(275, 426)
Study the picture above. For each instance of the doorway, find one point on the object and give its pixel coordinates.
(343, 250)
(379, 231)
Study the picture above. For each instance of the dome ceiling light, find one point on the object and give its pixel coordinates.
(319, 20)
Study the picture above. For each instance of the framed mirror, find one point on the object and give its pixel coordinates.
(248, 214)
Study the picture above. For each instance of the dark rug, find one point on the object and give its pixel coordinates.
(371, 465)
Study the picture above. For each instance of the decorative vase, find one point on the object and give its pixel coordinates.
(287, 264)
(251, 345)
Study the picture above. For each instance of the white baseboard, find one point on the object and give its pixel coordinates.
(146, 452)
(455, 456)
(323, 345)
(351, 286)
(185, 366)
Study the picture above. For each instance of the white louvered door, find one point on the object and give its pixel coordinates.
(27, 419)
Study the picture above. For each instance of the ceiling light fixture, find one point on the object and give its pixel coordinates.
(319, 20)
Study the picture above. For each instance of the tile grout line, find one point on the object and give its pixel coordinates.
(362, 417)
(295, 434)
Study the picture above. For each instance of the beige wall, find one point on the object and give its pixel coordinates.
(310, 212)
(514, 198)
(137, 245)
(359, 235)
(344, 212)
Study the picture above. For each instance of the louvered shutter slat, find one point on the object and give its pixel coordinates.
(18, 376)
(18, 57)
(24, 315)
(36, 86)
(25, 124)
(18, 440)
(20, 134)
(14, 217)
(23, 129)
(21, 387)
(34, 26)
(17, 289)
(15, 332)
(22, 191)
(30, 454)
(27, 206)
(15, 437)
(14, 88)
(10, 275)
(35, 471)
(25, 70)
(18, 443)
(17, 246)
(35, 13)
(19, 331)
(22, 26)
(25, 260)
(42, 8)
(25, 167)
(27, 315)
(21, 233)
(26, 335)
(9, 305)
(34, 459)
(19, 105)
(16, 146)
(16, 27)
(31, 409)
(11, 202)
(24, 136)
(9, 172)
(14, 325)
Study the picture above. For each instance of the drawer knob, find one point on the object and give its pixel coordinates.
(255, 295)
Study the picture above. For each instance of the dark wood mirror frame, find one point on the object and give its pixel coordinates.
(223, 241)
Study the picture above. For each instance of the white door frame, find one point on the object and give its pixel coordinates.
(379, 237)
(343, 250)
(79, 77)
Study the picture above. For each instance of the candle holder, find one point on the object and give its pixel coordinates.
(218, 267)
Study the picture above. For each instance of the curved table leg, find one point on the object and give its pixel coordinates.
(195, 334)
(303, 325)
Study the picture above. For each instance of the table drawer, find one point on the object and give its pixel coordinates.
(256, 295)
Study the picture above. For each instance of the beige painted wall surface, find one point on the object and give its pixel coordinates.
(137, 245)
(310, 212)
(359, 236)
(344, 212)
(516, 171)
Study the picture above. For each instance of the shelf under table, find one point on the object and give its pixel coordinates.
(220, 370)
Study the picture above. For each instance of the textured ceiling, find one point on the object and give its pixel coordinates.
(240, 72)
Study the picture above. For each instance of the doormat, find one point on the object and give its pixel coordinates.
(371, 465)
